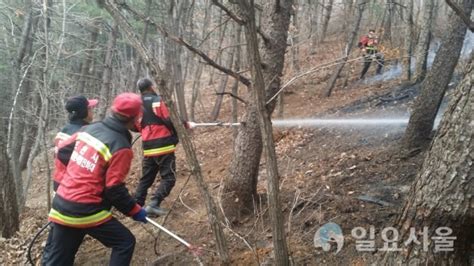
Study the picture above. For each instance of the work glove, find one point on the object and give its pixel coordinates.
(140, 216)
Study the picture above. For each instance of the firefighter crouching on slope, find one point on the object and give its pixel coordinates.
(368, 45)
(159, 139)
(97, 160)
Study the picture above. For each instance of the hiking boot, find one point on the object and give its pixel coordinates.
(154, 210)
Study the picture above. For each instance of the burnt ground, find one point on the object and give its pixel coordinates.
(323, 173)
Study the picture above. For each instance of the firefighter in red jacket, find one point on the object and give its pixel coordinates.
(159, 141)
(80, 113)
(97, 160)
(368, 45)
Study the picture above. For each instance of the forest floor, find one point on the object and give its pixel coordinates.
(323, 172)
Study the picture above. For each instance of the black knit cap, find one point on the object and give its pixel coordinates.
(77, 107)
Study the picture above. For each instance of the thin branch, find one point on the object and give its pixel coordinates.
(398, 4)
(264, 36)
(459, 11)
(184, 43)
(232, 95)
(229, 12)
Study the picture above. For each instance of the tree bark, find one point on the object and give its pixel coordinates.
(434, 86)
(423, 46)
(222, 30)
(223, 85)
(240, 186)
(442, 195)
(145, 35)
(410, 35)
(264, 116)
(350, 43)
(235, 86)
(199, 67)
(387, 33)
(107, 74)
(315, 7)
(20, 87)
(89, 57)
(327, 17)
(294, 38)
(9, 213)
(188, 146)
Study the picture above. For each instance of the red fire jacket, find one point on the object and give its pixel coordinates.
(370, 44)
(158, 134)
(68, 130)
(97, 160)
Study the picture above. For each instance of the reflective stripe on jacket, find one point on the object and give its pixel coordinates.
(158, 133)
(97, 160)
(66, 132)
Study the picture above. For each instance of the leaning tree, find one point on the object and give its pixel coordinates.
(441, 198)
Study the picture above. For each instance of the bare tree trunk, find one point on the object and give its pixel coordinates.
(294, 39)
(348, 13)
(107, 74)
(240, 188)
(264, 116)
(43, 89)
(15, 124)
(350, 43)
(327, 17)
(387, 32)
(199, 67)
(315, 7)
(89, 57)
(436, 82)
(145, 35)
(423, 46)
(195, 91)
(225, 78)
(222, 30)
(188, 146)
(9, 213)
(441, 198)
(235, 86)
(178, 16)
(409, 36)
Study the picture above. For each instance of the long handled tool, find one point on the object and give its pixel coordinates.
(196, 251)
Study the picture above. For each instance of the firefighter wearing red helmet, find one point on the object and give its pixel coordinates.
(97, 159)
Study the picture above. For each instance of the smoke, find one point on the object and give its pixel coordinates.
(468, 45)
(392, 72)
(388, 74)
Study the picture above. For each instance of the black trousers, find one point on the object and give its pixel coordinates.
(368, 60)
(65, 241)
(166, 165)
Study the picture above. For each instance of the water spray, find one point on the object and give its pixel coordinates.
(325, 122)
